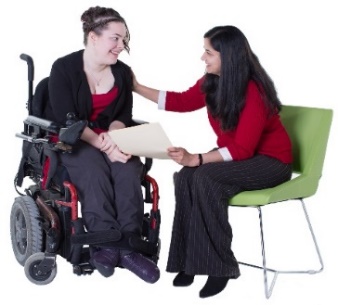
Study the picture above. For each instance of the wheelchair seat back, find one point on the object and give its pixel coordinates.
(40, 162)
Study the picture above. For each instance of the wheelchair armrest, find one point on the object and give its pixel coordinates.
(70, 135)
(42, 123)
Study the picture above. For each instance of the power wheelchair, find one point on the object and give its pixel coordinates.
(45, 219)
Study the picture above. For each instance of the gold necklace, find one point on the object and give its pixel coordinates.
(97, 81)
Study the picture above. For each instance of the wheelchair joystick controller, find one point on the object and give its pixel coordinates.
(73, 130)
(71, 119)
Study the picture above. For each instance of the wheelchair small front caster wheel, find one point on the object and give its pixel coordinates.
(37, 273)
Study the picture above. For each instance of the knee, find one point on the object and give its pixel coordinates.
(133, 168)
(201, 176)
(183, 176)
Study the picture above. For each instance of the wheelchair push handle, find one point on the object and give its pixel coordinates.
(30, 64)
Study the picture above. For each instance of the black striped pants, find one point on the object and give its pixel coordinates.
(201, 234)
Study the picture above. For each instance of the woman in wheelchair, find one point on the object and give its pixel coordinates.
(94, 85)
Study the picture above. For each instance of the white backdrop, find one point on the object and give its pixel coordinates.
(296, 42)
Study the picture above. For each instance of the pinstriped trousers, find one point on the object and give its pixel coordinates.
(201, 233)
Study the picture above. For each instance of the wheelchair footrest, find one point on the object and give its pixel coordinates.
(142, 245)
(96, 238)
(130, 241)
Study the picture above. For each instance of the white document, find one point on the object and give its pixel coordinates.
(145, 140)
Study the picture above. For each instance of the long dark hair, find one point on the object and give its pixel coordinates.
(225, 94)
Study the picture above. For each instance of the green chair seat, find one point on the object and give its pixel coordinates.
(299, 187)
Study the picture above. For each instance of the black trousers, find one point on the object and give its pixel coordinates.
(110, 192)
(201, 234)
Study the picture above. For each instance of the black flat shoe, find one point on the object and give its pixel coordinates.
(213, 286)
(183, 280)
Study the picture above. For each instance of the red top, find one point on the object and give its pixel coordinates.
(256, 132)
(100, 102)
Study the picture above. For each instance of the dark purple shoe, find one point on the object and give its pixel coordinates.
(105, 260)
(143, 267)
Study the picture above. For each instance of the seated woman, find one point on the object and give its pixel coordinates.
(94, 85)
(253, 152)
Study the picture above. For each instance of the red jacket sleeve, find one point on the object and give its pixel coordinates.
(189, 100)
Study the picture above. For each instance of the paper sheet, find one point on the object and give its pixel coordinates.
(145, 140)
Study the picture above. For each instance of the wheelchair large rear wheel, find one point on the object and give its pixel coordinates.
(25, 229)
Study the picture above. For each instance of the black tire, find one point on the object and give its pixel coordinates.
(25, 229)
(32, 273)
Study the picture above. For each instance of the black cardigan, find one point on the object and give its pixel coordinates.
(69, 92)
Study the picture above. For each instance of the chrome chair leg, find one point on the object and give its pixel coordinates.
(268, 289)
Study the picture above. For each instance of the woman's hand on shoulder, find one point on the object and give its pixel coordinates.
(135, 82)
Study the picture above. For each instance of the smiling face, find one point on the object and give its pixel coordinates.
(212, 58)
(110, 43)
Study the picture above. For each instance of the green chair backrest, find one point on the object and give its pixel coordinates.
(309, 130)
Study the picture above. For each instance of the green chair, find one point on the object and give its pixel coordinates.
(309, 130)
